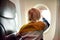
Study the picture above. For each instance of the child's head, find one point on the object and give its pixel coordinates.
(33, 14)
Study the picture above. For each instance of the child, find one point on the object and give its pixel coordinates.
(35, 28)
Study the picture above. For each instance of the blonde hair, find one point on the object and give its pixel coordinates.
(34, 14)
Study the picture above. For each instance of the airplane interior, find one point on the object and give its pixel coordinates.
(14, 14)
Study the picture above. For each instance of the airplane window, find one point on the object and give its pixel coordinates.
(46, 15)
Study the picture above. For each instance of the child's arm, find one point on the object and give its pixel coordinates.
(46, 22)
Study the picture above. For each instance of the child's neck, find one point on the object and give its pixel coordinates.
(34, 21)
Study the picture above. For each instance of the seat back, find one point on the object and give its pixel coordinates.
(7, 16)
(2, 32)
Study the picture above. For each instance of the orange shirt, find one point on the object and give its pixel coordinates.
(33, 26)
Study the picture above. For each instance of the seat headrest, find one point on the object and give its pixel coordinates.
(7, 9)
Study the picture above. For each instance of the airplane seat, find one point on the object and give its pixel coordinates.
(2, 32)
(7, 15)
(7, 18)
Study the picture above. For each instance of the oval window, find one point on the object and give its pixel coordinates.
(45, 12)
